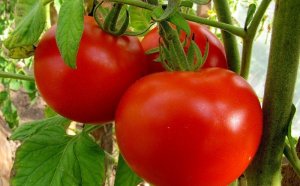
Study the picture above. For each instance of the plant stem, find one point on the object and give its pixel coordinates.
(90, 128)
(136, 3)
(224, 26)
(227, 27)
(110, 24)
(171, 39)
(153, 2)
(294, 161)
(279, 90)
(15, 76)
(250, 35)
(230, 42)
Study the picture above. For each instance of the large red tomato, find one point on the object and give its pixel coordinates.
(106, 66)
(189, 128)
(216, 54)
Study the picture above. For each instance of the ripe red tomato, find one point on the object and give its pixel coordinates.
(216, 54)
(106, 66)
(189, 128)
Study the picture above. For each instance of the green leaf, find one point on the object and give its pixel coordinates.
(199, 58)
(200, 2)
(29, 129)
(139, 18)
(124, 175)
(10, 113)
(172, 8)
(180, 23)
(14, 84)
(29, 86)
(30, 19)
(3, 96)
(49, 112)
(52, 158)
(69, 30)
(250, 14)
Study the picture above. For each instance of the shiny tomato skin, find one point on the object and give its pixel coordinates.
(216, 55)
(189, 128)
(106, 66)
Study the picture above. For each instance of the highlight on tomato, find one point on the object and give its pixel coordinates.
(201, 35)
(106, 66)
(189, 128)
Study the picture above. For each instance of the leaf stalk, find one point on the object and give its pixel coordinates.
(16, 76)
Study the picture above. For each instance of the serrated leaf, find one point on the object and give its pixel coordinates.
(180, 23)
(28, 129)
(30, 22)
(124, 175)
(139, 18)
(69, 30)
(250, 14)
(52, 158)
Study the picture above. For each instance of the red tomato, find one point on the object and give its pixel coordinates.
(106, 66)
(216, 54)
(189, 128)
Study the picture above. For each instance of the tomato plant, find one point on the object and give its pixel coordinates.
(195, 128)
(201, 35)
(187, 128)
(106, 66)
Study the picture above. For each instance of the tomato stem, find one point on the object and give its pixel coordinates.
(227, 27)
(136, 3)
(153, 2)
(173, 44)
(111, 20)
(265, 169)
(291, 155)
(91, 128)
(16, 76)
(224, 26)
(249, 38)
(230, 42)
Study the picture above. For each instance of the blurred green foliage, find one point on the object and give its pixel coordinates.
(7, 85)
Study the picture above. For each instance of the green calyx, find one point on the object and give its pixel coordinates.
(172, 53)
